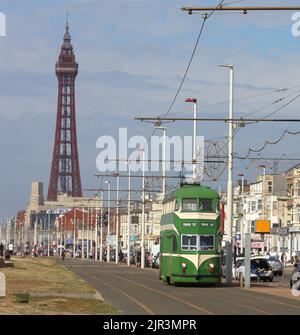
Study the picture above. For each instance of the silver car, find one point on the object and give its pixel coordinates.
(277, 266)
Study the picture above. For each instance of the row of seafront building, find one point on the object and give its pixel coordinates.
(275, 198)
(67, 220)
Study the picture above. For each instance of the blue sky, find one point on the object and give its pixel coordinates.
(132, 55)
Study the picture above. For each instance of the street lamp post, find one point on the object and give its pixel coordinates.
(101, 226)
(96, 230)
(228, 227)
(128, 216)
(194, 101)
(74, 234)
(164, 166)
(118, 223)
(143, 212)
(88, 232)
(263, 200)
(48, 235)
(83, 234)
(242, 228)
(108, 222)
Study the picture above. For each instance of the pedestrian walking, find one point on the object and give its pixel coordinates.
(63, 255)
(1, 249)
(11, 248)
(138, 259)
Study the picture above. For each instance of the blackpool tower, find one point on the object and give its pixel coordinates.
(65, 172)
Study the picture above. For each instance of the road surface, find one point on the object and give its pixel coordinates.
(139, 292)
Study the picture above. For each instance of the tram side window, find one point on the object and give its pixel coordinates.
(206, 242)
(189, 242)
(189, 205)
(174, 243)
(177, 206)
(205, 205)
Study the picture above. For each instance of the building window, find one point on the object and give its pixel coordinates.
(298, 212)
(259, 204)
(252, 226)
(253, 206)
(270, 187)
(298, 189)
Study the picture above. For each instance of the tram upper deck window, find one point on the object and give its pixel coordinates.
(189, 242)
(189, 205)
(206, 242)
(205, 205)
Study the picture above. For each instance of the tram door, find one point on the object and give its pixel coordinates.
(173, 252)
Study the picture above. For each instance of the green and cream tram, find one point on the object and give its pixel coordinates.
(190, 237)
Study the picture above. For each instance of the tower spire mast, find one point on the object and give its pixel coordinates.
(65, 172)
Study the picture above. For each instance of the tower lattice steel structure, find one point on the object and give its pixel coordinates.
(65, 172)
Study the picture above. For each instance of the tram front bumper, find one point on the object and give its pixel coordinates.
(196, 278)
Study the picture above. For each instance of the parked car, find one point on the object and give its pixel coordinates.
(155, 261)
(259, 269)
(276, 264)
(295, 276)
(234, 266)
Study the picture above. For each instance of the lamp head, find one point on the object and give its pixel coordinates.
(226, 65)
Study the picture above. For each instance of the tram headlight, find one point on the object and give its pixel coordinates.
(211, 267)
(183, 267)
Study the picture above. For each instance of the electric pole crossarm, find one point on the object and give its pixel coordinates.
(243, 9)
(240, 120)
(133, 190)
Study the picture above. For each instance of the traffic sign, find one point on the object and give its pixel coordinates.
(294, 229)
(283, 231)
(262, 226)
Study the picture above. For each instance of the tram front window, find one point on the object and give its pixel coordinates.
(205, 205)
(189, 242)
(189, 205)
(206, 242)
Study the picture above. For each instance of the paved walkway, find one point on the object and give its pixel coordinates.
(96, 296)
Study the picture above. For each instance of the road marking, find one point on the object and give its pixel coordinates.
(232, 302)
(196, 307)
(127, 295)
(266, 299)
(162, 293)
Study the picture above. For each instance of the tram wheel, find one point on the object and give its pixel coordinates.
(168, 280)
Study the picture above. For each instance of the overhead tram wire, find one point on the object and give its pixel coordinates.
(269, 114)
(187, 69)
(267, 143)
(240, 99)
(285, 132)
(205, 18)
